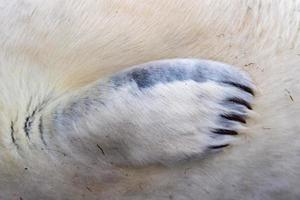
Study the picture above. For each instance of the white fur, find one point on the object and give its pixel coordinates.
(51, 48)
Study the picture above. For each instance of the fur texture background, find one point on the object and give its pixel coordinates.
(52, 47)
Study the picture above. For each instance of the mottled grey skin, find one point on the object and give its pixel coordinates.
(150, 74)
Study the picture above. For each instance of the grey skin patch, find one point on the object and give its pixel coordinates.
(150, 74)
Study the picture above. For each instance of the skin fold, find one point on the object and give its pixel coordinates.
(55, 54)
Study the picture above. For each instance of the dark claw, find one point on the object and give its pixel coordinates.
(219, 146)
(234, 117)
(242, 87)
(224, 132)
(240, 101)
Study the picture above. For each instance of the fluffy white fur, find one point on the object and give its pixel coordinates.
(51, 49)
